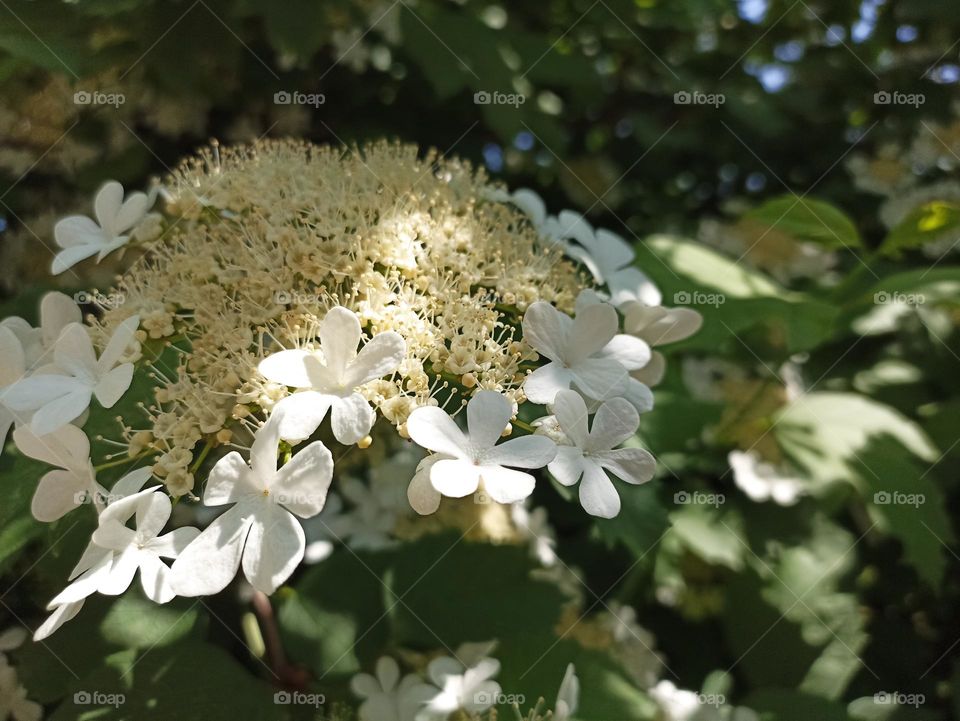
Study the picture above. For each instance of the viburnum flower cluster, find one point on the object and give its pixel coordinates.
(296, 302)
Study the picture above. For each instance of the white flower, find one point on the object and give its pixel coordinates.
(13, 697)
(573, 346)
(93, 568)
(260, 529)
(658, 325)
(762, 481)
(387, 700)
(568, 697)
(474, 457)
(72, 483)
(332, 374)
(64, 393)
(80, 237)
(465, 685)
(142, 548)
(594, 451)
(680, 704)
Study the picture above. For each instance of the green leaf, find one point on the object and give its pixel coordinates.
(808, 220)
(134, 621)
(641, 521)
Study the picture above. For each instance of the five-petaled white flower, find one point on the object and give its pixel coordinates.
(474, 457)
(260, 529)
(93, 568)
(73, 482)
(142, 548)
(657, 325)
(64, 392)
(464, 684)
(81, 237)
(331, 376)
(594, 451)
(387, 697)
(579, 350)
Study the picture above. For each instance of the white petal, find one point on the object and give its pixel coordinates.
(522, 452)
(302, 414)
(211, 561)
(113, 535)
(339, 334)
(302, 484)
(616, 421)
(505, 485)
(611, 251)
(57, 311)
(530, 203)
(567, 466)
(263, 452)
(632, 353)
(274, 548)
(488, 414)
(639, 395)
(131, 483)
(155, 579)
(230, 480)
(113, 385)
(571, 412)
(78, 232)
(597, 494)
(67, 448)
(545, 328)
(601, 378)
(295, 368)
(592, 329)
(381, 356)
(633, 465)
(55, 620)
(351, 418)
(631, 284)
(121, 574)
(87, 583)
(388, 673)
(58, 413)
(652, 373)
(36, 391)
(152, 514)
(122, 509)
(171, 545)
(131, 213)
(433, 429)
(423, 497)
(545, 382)
(66, 259)
(13, 361)
(58, 493)
(73, 352)
(122, 338)
(107, 204)
(455, 478)
(364, 685)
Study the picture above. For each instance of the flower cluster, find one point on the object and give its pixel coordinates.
(295, 284)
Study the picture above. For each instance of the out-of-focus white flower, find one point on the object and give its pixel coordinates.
(463, 684)
(594, 451)
(81, 237)
(681, 705)
(63, 394)
(533, 526)
(658, 325)
(475, 457)
(260, 529)
(568, 697)
(14, 703)
(142, 548)
(762, 481)
(74, 480)
(331, 376)
(608, 257)
(423, 497)
(387, 697)
(574, 347)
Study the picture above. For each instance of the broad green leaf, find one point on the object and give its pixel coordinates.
(134, 621)
(935, 220)
(809, 220)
